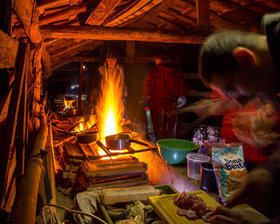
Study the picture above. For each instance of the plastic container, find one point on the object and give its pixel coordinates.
(194, 160)
(174, 151)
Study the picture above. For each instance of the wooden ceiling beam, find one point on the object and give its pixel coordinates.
(152, 13)
(203, 15)
(68, 13)
(64, 57)
(217, 21)
(101, 12)
(51, 4)
(109, 33)
(127, 14)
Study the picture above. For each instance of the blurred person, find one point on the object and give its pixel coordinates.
(244, 66)
(165, 90)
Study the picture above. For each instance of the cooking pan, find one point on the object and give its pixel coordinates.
(88, 137)
(120, 141)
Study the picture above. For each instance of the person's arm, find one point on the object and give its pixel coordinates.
(223, 215)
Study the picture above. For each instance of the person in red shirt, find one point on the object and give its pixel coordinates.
(165, 90)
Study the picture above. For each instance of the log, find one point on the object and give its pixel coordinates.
(8, 50)
(102, 11)
(69, 13)
(8, 135)
(29, 17)
(108, 33)
(46, 59)
(25, 204)
(52, 4)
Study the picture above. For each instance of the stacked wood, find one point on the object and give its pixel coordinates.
(118, 172)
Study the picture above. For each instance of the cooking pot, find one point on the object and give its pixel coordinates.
(120, 141)
(87, 137)
(74, 112)
(207, 178)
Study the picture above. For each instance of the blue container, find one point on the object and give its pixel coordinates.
(174, 151)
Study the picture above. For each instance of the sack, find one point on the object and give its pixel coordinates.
(229, 168)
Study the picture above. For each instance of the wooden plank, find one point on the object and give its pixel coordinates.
(102, 11)
(142, 12)
(152, 13)
(10, 127)
(109, 33)
(126, 14)
(51, 4)
(203, 15)
(46, 59)
(69, 13)
(8, 50)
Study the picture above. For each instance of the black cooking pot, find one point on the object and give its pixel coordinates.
(207, 178)
(87, 137)
(120, 141)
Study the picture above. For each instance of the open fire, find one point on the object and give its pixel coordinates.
(110, 109)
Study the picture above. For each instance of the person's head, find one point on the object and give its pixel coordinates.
(111, 58)
(238, 64)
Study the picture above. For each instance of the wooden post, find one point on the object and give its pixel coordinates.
(81, 84)
(203, 15)
(8, 136)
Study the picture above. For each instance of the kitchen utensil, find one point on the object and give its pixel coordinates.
(207, 178)
(87, 137)
(120, 141)
(174, 151)
(193, 162)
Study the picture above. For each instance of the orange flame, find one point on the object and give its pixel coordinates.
(110, 108)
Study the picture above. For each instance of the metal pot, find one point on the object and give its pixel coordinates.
(87, 137)
(120, 141)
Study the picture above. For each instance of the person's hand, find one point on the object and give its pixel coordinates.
(224, 215)
(182, 100)
(256, 186)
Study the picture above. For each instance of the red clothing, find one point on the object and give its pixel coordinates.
(163, 86)
(164, 83)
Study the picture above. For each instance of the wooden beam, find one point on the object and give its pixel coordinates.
(29, 17)
(109, 33)
(69, 13)
(8, 50)
(151, 14)
(46, 59)
(133, 11)
(64, 57)
(8, 136)
(203, 15)
(52, 4)
(102, 11)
